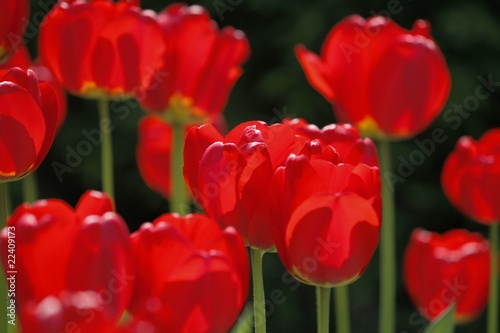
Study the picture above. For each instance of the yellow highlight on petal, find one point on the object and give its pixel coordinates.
(181, 110)
(10, 176)
(368, 127)
(92, 91)
(3, 54)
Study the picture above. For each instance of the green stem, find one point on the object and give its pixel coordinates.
(8, 200)
(259, 307)
(3, 282)
(179, 199)
(108, 183)
(342, 317)
(493, 299)
(30, 188)
(318, 306)
(323, 309)
(387, 245)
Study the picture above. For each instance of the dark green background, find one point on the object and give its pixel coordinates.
(469, 36)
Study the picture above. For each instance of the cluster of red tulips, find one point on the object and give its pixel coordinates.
(320, 198)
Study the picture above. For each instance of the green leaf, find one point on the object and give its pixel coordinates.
(444, 323)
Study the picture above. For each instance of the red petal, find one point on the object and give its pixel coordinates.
(93, 203)
(196, 142)
(335, 235)
(316, 72)
(153, 153)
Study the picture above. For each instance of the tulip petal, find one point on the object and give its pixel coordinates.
(197, 140)
(331, 238)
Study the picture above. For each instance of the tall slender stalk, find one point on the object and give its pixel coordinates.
(342, 315)
(493, 299)
(259, 306)
(387, 246)
(179, 199)
(323, 309)
(30, 188)
(108, 183)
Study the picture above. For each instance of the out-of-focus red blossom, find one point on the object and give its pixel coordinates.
(13, 20)
(230, 176)
(87, 249)
(185, 266)
(363, 72)
(450, 268)
(343, 137)
(471, 177)
(78, 311)
(99, 48)
(28, 119)
(154, 149)
(327, 215)
(200, 66)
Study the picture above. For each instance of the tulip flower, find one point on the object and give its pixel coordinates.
(441, 269)
(327, 221)
(230, 177)
(64, 250)
(191, 275)
(471, 177)
(201, 65)
(28, 120)
(13, 20)
(387, 81)
(100, 49)
(471, 180)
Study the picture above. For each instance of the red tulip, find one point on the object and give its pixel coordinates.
(28, 119)
(191, 276)
(471, 177)
(59, 250)
(364, 72)
(230, 177)
(200, 66)
(100, 48)
(13, 20)
(449, 268)
(327, 217)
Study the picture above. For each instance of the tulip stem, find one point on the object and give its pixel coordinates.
(493, 299)
(323, 309)
(179, 200)
(4, 300)
(342, 317)
(30, 188)
(387, 245)
(108, 182)
(259, 306)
